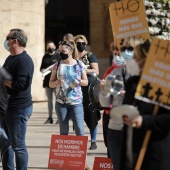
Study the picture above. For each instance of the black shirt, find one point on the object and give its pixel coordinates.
(21, 68)
(3, 95)
(47, 61)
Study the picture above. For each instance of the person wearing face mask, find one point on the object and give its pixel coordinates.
(158, 150)
(112, 133)
(21, 68)
(50, 58)
(91, 116)
(118, 67)
(68, 77)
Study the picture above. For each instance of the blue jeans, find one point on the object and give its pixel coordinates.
(5, 148)
(93, 134)
(17, 124)
(64, 111)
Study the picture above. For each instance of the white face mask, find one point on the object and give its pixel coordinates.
(132, 67)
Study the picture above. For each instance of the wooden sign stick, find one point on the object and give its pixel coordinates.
(145, 143)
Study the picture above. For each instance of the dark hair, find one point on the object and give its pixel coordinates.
(20, 35)
(141, 50)
(48, 42)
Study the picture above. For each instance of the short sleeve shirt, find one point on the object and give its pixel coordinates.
(69, 73)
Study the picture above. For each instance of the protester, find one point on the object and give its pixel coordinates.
(158, 150)
(20, 66)
(118, 62)
(67, 77)
(50, 58)
(114, 133)
(91, 116)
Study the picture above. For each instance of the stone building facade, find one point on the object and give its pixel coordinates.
(29, 15)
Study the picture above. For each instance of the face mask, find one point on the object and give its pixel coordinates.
(81, 47)
(51, 50)
(127, 54)
(63, 56)
(119, 60)
(6, 45)
(132, 67)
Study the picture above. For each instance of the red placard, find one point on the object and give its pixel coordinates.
(68, 152)
(102, 163)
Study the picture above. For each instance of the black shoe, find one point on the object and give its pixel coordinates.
(49, 121)
(93, 146)
(56, 122)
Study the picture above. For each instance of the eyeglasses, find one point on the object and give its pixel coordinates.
(8, 38)
(65, 43)
(80, 43)
(127, 48)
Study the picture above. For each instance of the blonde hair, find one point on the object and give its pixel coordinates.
(81, 37)
(132, 41)
(113, 47)
(74, 48)
(68, 37)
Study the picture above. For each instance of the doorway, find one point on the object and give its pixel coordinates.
(65, 16)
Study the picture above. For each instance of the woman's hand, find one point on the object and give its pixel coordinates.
(134, 122)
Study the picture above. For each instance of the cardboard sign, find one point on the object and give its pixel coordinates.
(154, 84)
(102, 163)
(68, 152)
(128, 18)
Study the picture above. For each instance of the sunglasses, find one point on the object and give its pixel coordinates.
(80, 43)
(64, 43)
(9, 38)
(127, 48)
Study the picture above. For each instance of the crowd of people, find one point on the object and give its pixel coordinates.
(67, 74)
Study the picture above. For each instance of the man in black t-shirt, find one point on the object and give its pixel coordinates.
(21, 67)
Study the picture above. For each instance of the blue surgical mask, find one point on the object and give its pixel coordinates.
(6, 45)
(127, 54)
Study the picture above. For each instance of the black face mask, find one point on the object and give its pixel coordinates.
(51, 50)
(80, 47)
(63, 56)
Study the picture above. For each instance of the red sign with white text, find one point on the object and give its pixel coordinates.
(68, 152)
(102, 163)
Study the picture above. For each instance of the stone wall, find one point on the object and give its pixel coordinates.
(28, 15)
(100, 32)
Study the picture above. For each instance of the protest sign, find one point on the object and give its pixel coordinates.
(128, 18)
(154, 84)
(68, 152)
(102, 163)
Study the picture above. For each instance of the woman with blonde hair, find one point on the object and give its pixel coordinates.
(91, 116)
(67, 77)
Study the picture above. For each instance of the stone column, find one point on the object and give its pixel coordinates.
(30, 16)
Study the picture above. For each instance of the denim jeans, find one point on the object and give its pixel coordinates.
(17, 124)
(93, 134)
(64, 111)
(114, 140)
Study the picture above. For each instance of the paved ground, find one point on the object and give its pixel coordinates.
(39, 138)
